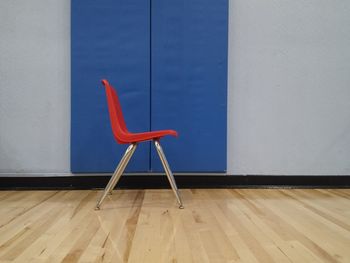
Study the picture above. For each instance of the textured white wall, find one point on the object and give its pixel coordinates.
(289, 87)
(34, 86)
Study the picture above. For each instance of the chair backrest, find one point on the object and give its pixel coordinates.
(115, 113)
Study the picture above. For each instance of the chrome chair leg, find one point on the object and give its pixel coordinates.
(168, 172)
(125, 163)
(117, 174)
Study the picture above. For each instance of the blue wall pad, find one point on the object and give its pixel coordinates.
(110, 39)
(189, 82)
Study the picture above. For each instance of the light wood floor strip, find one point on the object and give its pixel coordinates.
(226, 225)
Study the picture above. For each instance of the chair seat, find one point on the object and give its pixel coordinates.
(146, 136)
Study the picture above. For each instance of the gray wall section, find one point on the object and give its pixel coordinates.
(34, 86)
(289, 87)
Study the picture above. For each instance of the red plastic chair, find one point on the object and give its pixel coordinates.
(123, 136)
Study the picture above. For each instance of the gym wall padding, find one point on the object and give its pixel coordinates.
(109, 39)
(168, 62)
(189, 82)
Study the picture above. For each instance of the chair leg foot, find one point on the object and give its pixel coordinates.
(168, 173)
(117, 174)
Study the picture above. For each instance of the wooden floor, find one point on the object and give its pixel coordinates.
(146, 226)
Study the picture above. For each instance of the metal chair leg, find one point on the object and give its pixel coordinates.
(168, 172)
(117, 174)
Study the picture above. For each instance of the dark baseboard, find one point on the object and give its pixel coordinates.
(183, 181)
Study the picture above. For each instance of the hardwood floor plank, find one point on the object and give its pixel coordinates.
(43, 245)
(223, 225)
(286, 226)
